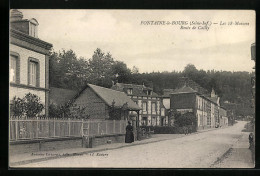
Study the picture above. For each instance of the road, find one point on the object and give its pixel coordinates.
(199, 150)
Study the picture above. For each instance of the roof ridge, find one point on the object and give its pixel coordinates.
(106, 88)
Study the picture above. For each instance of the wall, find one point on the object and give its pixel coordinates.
(102, 140)
(183, 101)
(95, 106)
(20, 92)
(166, 103)
(19, 147)
(24, 55)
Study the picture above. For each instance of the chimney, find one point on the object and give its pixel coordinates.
(29, 27)
(16, 15)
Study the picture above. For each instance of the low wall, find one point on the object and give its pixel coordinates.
(93, 141)
(29, 146)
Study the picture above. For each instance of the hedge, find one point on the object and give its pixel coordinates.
(168, 129)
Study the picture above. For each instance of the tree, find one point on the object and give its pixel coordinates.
(100, 68)
(191, 71)
(67, 71)
(123, 73)
(29, 106)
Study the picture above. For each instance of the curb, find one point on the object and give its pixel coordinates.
(97, 150)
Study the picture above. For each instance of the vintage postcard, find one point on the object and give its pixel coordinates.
(132, 88)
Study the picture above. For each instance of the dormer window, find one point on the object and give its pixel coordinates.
(130, 91)
(33, 31)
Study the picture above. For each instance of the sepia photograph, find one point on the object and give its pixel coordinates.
(133, 88)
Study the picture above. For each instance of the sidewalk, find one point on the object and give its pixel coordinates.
(26, 158)
(239, 156)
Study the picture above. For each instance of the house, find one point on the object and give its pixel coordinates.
(152, 111)
(96, 102)
(29, 60)
(166, 103)
(223, 119)
(206, 109)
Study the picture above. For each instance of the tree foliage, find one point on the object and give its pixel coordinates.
(69, 71)
(185, 119)
(28, 106)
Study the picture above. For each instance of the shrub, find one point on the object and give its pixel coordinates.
(186, 119)
(28, 106)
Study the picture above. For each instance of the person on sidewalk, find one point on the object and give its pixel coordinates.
(129, 136)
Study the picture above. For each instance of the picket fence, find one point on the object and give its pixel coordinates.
(37, 128)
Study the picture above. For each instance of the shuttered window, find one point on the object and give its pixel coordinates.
(33, 71)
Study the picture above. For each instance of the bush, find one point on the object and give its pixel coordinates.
(187, 119)
(28, 106)
(168, 129)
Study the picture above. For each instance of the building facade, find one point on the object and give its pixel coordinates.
(28, 61)
(152, 111)
(206, 109)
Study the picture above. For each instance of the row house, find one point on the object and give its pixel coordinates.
(29, 60)
(152, 111)
(205, 108)
(223, 119)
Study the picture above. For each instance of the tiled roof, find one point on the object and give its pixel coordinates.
(167, 92)
(110, 96)
(61, 96)
(137, 89)
(184, 89)
(185, 81)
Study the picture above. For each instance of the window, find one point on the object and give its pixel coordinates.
(130, 91)
(14, 68)
(33, 30)
(208, 120)
(34, 72)
(144, 121)
(153, 107)
(144, 106)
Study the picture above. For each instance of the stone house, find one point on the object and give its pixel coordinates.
(152, 111)
(29, 60)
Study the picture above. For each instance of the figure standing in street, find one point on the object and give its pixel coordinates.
(129, 136)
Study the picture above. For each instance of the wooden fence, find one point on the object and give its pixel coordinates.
(37, 128)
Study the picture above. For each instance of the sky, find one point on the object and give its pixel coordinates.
(153, 47)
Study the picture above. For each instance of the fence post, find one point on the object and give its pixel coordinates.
(31, 129)
(10, 128)
(16, 129)
(106, 127)
(114, 126)
(88, 128)
(69, 126)
(53, 127)
(120, 126)
(37, 128)
(82, 131)
(98, 127)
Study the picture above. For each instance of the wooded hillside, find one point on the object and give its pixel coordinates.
(69, 71)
